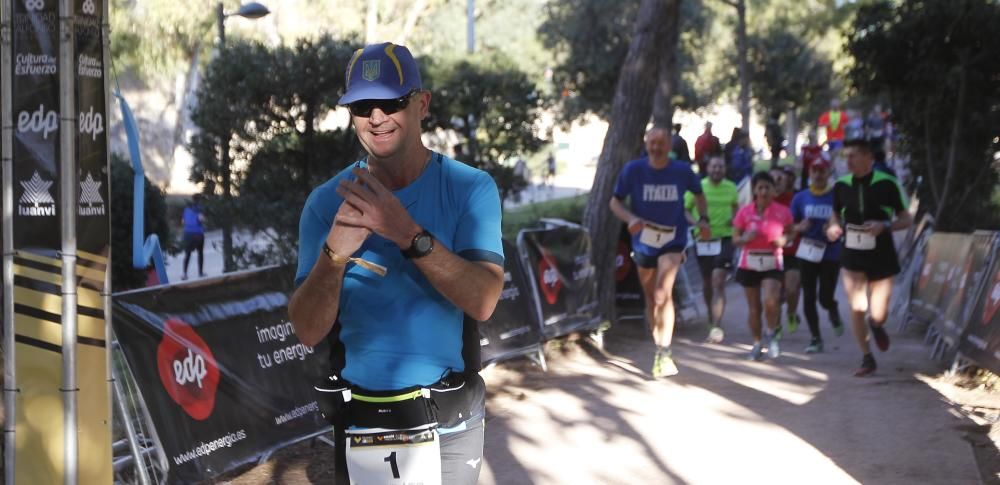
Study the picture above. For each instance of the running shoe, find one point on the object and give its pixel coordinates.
(815, 347)
(715, 334)
(773, 349)
(793, 322)
(663, 365)
(755, 352)
(867, 366)
(838, 324)
(881, 337)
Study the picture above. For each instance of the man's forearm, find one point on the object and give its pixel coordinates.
(314, 305)
(619, 210)
(471, 286)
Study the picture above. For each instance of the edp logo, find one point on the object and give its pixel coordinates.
(191, 369)
(91, 123)
(39, 121)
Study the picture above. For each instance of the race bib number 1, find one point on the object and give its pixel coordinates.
(811, 250)
(858, 238)
(656, 236)
(761, 261)
(711, 247)
(404, 457)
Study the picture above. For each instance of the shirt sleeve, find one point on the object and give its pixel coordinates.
(838, 204)
(896, 198)
(689, 202)
(311, 236)
(478, 236)
(797, 202)
(623, 185)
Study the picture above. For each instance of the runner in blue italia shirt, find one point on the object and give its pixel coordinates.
(655, 186)
(396, 249)
(819, 259)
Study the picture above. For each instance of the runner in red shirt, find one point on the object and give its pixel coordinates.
(811, 153)
(834, 121)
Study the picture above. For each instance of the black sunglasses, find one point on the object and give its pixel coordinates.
(364, 107)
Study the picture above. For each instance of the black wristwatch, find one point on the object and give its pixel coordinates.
(422, 245)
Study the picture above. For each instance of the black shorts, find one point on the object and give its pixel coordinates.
(723, 260)
(791, 262)
(644, 261)
(877, 264)
(751, 279)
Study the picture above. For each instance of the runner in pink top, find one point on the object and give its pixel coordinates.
(760, 228)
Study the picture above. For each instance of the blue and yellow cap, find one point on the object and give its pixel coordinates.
(380, 71)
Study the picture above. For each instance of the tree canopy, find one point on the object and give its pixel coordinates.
(938, 62)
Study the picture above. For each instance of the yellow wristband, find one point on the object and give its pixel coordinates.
(343, 260)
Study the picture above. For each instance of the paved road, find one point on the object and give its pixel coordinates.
(599, 419)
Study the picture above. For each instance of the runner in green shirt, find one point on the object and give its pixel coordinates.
(715, 249)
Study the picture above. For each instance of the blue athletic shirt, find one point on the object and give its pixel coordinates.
(657, 195)
(818, 208)
(398, 331)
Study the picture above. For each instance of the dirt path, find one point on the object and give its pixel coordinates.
(597, 418)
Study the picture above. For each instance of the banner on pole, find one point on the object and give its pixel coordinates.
(559, 267)
(37, 240)
(93, 237)
(964, 290)
(512, 330)
(939, 275)
(220, 369)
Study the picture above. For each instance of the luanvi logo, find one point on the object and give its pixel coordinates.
(91, 202)
(36, 201)
(34, 4)
(188, 370)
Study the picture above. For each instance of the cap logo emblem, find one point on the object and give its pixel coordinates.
(371, 70)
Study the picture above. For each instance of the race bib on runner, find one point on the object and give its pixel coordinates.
(656, 236)
(811, 250)
(394, 456)
(711, 247)
(858, 238)
(761, 261)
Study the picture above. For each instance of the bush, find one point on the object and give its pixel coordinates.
(123, 275)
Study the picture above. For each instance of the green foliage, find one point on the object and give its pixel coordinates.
(787, 73)
(499, 100)
(590, 39)
(160, 36)
(938, 62)
(123, 275)
(528, 215)
(266, 103)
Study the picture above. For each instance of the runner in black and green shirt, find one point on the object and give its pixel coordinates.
(867, 206)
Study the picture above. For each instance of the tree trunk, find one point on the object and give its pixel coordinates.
(371, 22)
(184, 106)
(792, 132)
(630, 112)
(666, 86)
(741, 49)
(416, 10)
(956, 131)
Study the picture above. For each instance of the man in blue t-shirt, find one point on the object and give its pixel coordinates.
(655, 186)
(396, 249)
(194, 235)
(818, 258)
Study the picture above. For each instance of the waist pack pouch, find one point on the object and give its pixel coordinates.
(399, 409)
(331, 393)
(458, 397)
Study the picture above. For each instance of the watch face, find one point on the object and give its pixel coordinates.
(422, 243)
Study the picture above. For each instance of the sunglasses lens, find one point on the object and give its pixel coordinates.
(364, 108)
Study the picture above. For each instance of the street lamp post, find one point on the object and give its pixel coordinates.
(252, 10)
